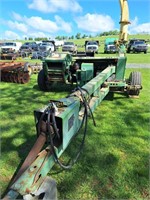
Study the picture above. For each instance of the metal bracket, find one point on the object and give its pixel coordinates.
(47, 191)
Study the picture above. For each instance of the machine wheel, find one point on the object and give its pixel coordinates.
(42, 81)
(134, 83)
(128, 50)
(135, 78)
(134, 51)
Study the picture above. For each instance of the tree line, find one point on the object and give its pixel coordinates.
(77, 36)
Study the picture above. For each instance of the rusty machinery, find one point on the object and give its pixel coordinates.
(18, 72)
(14, 72)
(61, 120)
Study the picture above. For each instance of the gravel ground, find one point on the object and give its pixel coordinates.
(136, 65)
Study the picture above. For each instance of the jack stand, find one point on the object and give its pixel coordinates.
(47, 191)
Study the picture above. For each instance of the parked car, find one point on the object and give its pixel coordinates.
(136, 46)
(91, 46)
(10, 47)
(69, 47)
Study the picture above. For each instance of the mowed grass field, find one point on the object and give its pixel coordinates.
(114, 163)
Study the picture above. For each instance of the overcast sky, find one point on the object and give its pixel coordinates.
(51, 18)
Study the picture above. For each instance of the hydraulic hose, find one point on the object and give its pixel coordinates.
(51, 116)
(80, 89)
(54, 123)
(50, 111)
(40, 123)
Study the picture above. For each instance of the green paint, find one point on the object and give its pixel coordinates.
(120, 69)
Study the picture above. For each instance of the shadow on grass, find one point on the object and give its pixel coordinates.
(57, 88)
(112, 165)
(99, 165)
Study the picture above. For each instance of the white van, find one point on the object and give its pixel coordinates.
(10, 47)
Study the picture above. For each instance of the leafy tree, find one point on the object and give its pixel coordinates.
(78, 35)
(58, 37)
(113, 32)
(84, 36)
(30, 38)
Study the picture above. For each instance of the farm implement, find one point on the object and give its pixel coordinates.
(14, 72)
(61, 121)
(17, 72)
(9, 56)
(62, 68)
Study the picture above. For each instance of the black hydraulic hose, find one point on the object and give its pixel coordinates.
(51, 113)
(85, 91)
(88, 104)
(94, 122)
(52, 144)
(54, 124)
(84, 134)
(51, 116)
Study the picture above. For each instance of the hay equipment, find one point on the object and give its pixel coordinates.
(60, 121)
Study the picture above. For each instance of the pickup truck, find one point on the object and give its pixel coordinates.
(69, 47)
(91, 46)
(136, 46)
(10, 47)
(29, 46)
(47, 46)
(109, 46)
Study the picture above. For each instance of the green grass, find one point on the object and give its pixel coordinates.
(114, 163)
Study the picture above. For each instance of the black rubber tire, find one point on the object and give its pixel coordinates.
(135, 80)
(128, 50)
(41, 80)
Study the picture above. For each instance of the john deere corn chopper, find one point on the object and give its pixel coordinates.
(63, 68)
(60, 121)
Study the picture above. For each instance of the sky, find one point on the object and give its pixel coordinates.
(51, 18)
